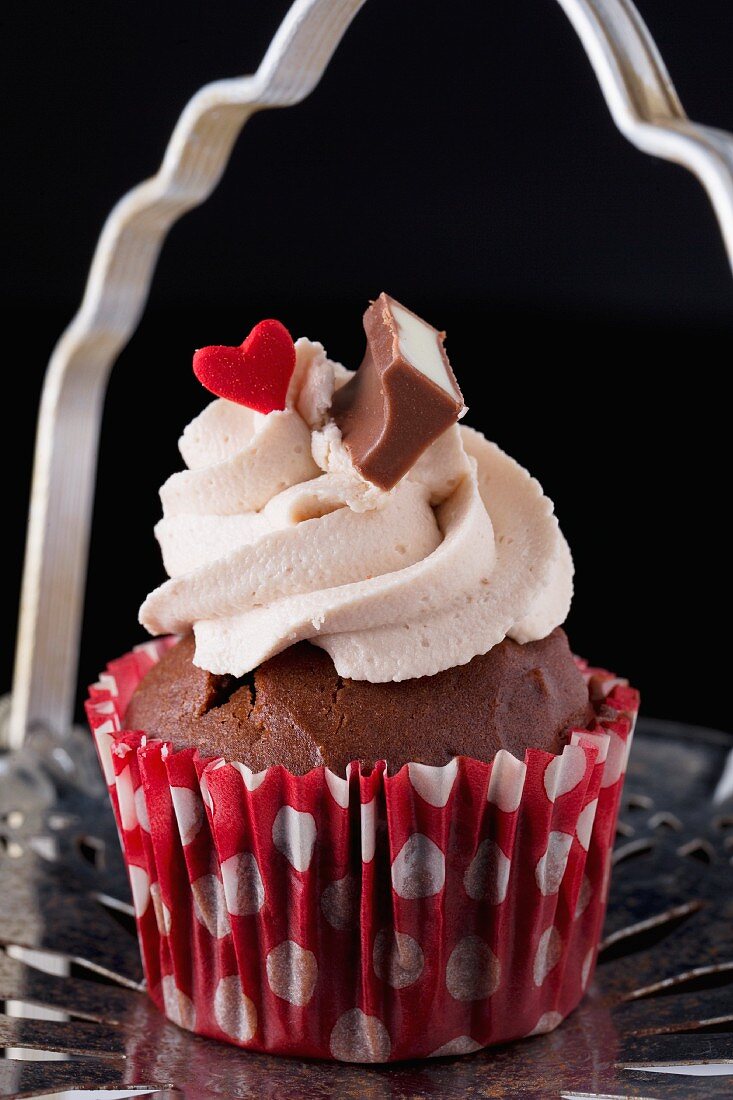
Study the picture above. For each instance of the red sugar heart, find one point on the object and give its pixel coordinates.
(256, 374)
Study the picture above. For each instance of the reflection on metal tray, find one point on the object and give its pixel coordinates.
(663, 993)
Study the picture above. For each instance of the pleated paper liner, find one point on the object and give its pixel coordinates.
(372, 918)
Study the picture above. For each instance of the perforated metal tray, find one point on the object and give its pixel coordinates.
(663, 993)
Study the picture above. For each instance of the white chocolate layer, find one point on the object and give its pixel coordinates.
(420, 347)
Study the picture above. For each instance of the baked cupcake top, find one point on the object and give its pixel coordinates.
(295, 710)
(359, 515)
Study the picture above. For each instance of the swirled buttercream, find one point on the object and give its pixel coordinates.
(270, 536)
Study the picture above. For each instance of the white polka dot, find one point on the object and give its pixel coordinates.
(209, 905)
(616, 761)
(294, 835)
(462, 1044)
(140, 885)
(584, 895)
(368, 831)
(339, 788)
(252, 780)
(398, 958)
(107, 707)
(340, 903)
(473, 971)
(597, 741)
(292, 972)
(235, 1013)
(126, 799)
(549, 953)
(155, 898)
(506, 783)
(433, 784)
(243, 887)
(162, 912)
(488, 874)
(153, 649)
(564, 772)
(105, 741)
(551, 867)
(586, 968)
(141, 809)
(547, 1022)
(357, 1037)
(190, 812)
(206, 793)
(418, 870)
(178, 1007)
(601, 686)
(584, 827)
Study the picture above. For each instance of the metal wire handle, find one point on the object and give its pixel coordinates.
(644, 106)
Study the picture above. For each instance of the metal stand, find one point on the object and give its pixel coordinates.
(663, 992)
(644, 106)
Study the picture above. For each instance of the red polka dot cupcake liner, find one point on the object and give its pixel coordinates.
(371, 918)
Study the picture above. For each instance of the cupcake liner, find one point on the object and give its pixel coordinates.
(372, 918)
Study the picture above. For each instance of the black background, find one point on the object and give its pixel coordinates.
(461, 156)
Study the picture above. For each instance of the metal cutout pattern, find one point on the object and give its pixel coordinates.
(663, 992)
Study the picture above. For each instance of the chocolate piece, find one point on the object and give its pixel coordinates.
(301, 713)
(403, 396)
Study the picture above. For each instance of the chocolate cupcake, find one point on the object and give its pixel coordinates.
(367, 796)
(296, 710)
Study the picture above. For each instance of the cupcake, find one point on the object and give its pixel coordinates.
(365, 792)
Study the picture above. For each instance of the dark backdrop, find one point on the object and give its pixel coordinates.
(461, 156)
